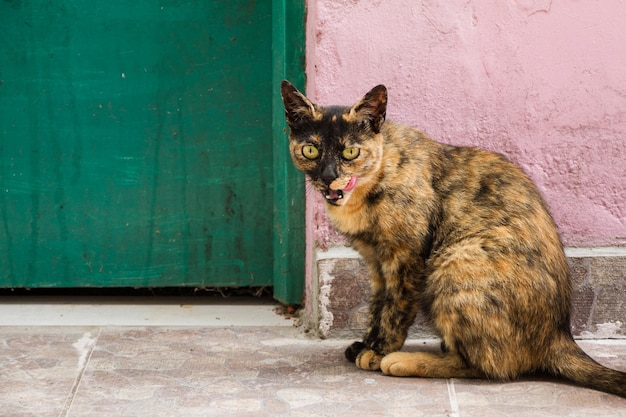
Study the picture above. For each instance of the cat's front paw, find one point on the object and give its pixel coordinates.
(369, 360)
(363, 357)
(354, 350)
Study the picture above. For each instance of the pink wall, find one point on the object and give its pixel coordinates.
(540, 81)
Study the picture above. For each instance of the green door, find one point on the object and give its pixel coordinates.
(137, 145)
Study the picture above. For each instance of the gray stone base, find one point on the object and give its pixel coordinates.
(341, 290)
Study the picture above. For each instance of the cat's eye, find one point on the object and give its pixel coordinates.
(350, 153)
(310, 152)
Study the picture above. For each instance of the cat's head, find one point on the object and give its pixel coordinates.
(338, 148)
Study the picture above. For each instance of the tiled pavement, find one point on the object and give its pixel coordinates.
(252, 371)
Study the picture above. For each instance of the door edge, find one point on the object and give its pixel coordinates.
(288, 58)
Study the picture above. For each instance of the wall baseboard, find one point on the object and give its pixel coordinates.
(340, 294)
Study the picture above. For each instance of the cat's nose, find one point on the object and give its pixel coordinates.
(329, 174)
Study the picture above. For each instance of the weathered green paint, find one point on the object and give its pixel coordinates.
(136, 145)
(289, 244)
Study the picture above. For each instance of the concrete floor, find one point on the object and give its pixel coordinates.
(139, 311)
(242, 370)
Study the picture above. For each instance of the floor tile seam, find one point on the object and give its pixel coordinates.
(69, 400)
(454, 402)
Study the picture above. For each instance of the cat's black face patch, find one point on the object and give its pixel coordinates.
(335, 146)
(330, 135)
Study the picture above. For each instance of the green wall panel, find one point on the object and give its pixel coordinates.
(136, 143)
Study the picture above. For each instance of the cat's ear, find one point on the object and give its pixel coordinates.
(298, 109)
(372, 108)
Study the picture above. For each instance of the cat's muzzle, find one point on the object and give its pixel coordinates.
(332, 196)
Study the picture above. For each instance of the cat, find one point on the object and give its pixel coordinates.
(460, 233)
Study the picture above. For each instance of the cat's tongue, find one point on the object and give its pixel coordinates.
(332, 196)
(351, 184)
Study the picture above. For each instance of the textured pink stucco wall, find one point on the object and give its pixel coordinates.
(542, 82)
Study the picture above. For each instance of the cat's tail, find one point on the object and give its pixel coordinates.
(569, 361)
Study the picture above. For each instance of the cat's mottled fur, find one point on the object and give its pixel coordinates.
(459, 233)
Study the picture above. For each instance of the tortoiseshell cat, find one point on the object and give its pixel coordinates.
(458, 232)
